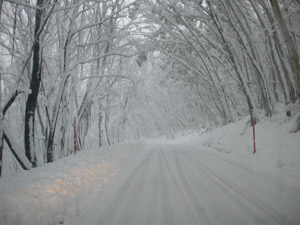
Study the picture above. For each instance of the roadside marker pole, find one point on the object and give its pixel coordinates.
(253, 125)
(75, 136)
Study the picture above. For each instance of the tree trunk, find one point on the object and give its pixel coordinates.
(53, 121)
(100, 127)
(233, 59)
(291, 46)
(16, 150)
(1, 1)
(1, 125)
(34, 87)
(61, 89)
(1, 114)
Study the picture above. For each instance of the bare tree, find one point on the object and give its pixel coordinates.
(1, 114)
(34, 87)
(291, 45)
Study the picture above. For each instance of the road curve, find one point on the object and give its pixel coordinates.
(172, 184)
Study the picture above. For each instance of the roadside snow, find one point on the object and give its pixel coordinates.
(278, 149)
(53, 192)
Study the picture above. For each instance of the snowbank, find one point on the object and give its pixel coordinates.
(53, 192)
(278, 149)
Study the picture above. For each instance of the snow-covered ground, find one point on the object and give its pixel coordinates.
(54, 193)
(182, 184)
(278, 149)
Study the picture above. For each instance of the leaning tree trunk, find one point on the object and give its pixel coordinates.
(61, 89)
(291, 46)
(34, 87)
(292, 50)
(1, 126)
(233, 58)
(1, 114)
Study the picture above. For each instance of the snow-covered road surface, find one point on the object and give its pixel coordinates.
(179, 184)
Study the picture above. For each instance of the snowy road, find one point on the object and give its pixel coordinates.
(177, 184)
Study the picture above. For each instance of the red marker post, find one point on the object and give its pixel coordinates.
(253, 125)
(75, 136)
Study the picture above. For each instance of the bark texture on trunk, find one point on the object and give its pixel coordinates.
(34, 87)
(291, 46)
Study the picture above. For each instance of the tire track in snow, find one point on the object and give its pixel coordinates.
(127, 213)
(212, 195)
(237, 193)
(168, 215)
(217, 199)
(197, 208)
(265, 176)
(152, 205)
(169, 185)
(111, 211)
(190, 216)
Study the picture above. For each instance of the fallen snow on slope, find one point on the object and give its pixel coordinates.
(49, 194)
(278, 149)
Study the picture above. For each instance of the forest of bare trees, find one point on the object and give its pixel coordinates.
(136, 69)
